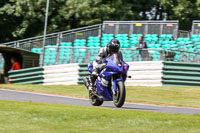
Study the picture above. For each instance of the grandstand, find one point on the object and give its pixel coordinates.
(81, 45)
(79, 50)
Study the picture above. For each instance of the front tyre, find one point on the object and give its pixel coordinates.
(94, 100)
(120, 95)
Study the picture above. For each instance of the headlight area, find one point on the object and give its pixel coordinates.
(111, 69)
(114, 69)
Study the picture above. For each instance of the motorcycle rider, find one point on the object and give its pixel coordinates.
(98, 64)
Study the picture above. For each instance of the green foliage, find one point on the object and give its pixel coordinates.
(25, 18)
(183, 10)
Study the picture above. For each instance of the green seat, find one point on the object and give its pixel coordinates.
(124, 45)
(134, 42)
(160, 41)
(195, 37)
(107, 35)
(163, 36)
(92, 58)
(66, 44)
(133, 39)
(169, 36)
(132, 46)
(105, 41)
(135, 35)
(106, 38)
(121, 35)
(79, 45)
(37, 50)
(183, 40)
(151, 46)
(166, 46)
(172, 42)
(34, 50)
(165, 42)
(122, 38)
(94, 45)
(103, 44)
(138, 35)
(157, 46)
(147, 39)
(154, 39)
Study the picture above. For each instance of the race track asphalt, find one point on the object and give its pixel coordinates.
(12, 95)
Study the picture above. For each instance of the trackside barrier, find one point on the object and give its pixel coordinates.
(61, 74)
(49, 75)
(83, 72)
(145, 73)
(27, 76)
(181, 74)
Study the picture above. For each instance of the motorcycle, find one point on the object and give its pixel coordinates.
(109, 85)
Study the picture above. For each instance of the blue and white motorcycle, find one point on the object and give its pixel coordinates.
(109, 85)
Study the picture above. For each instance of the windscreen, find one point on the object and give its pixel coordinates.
(115, 58)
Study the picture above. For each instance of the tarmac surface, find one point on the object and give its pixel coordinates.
(12, 95)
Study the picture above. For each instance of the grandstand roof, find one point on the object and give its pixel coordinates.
(8, 49)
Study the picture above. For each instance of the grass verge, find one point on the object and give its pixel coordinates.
(172, 96)
(20, 117)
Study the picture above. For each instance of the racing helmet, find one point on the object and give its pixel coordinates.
(113, 46)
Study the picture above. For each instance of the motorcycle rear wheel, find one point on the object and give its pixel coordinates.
(120, 95)
(94, 100)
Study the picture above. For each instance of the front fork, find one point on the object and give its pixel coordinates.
(114, 83)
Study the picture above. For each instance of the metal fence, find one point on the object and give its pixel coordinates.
(67, 55)
(113, 27)
(185, 56)
(182, 33)
(196, 27)
(86, 55)
(141, 27)
(56, 38)
(188, 52)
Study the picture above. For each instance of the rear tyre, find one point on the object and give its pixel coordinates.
(120, 95)
(94, 100)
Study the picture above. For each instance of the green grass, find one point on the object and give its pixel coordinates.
(20, 117)
(174, 96)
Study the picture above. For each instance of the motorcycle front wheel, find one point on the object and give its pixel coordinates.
(120, 95)
(94, 100)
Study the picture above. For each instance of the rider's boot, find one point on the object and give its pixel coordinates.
(87, 82)
(93, 78)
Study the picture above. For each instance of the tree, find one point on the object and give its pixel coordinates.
(141, 7)
(183, 10)
(25, 18)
